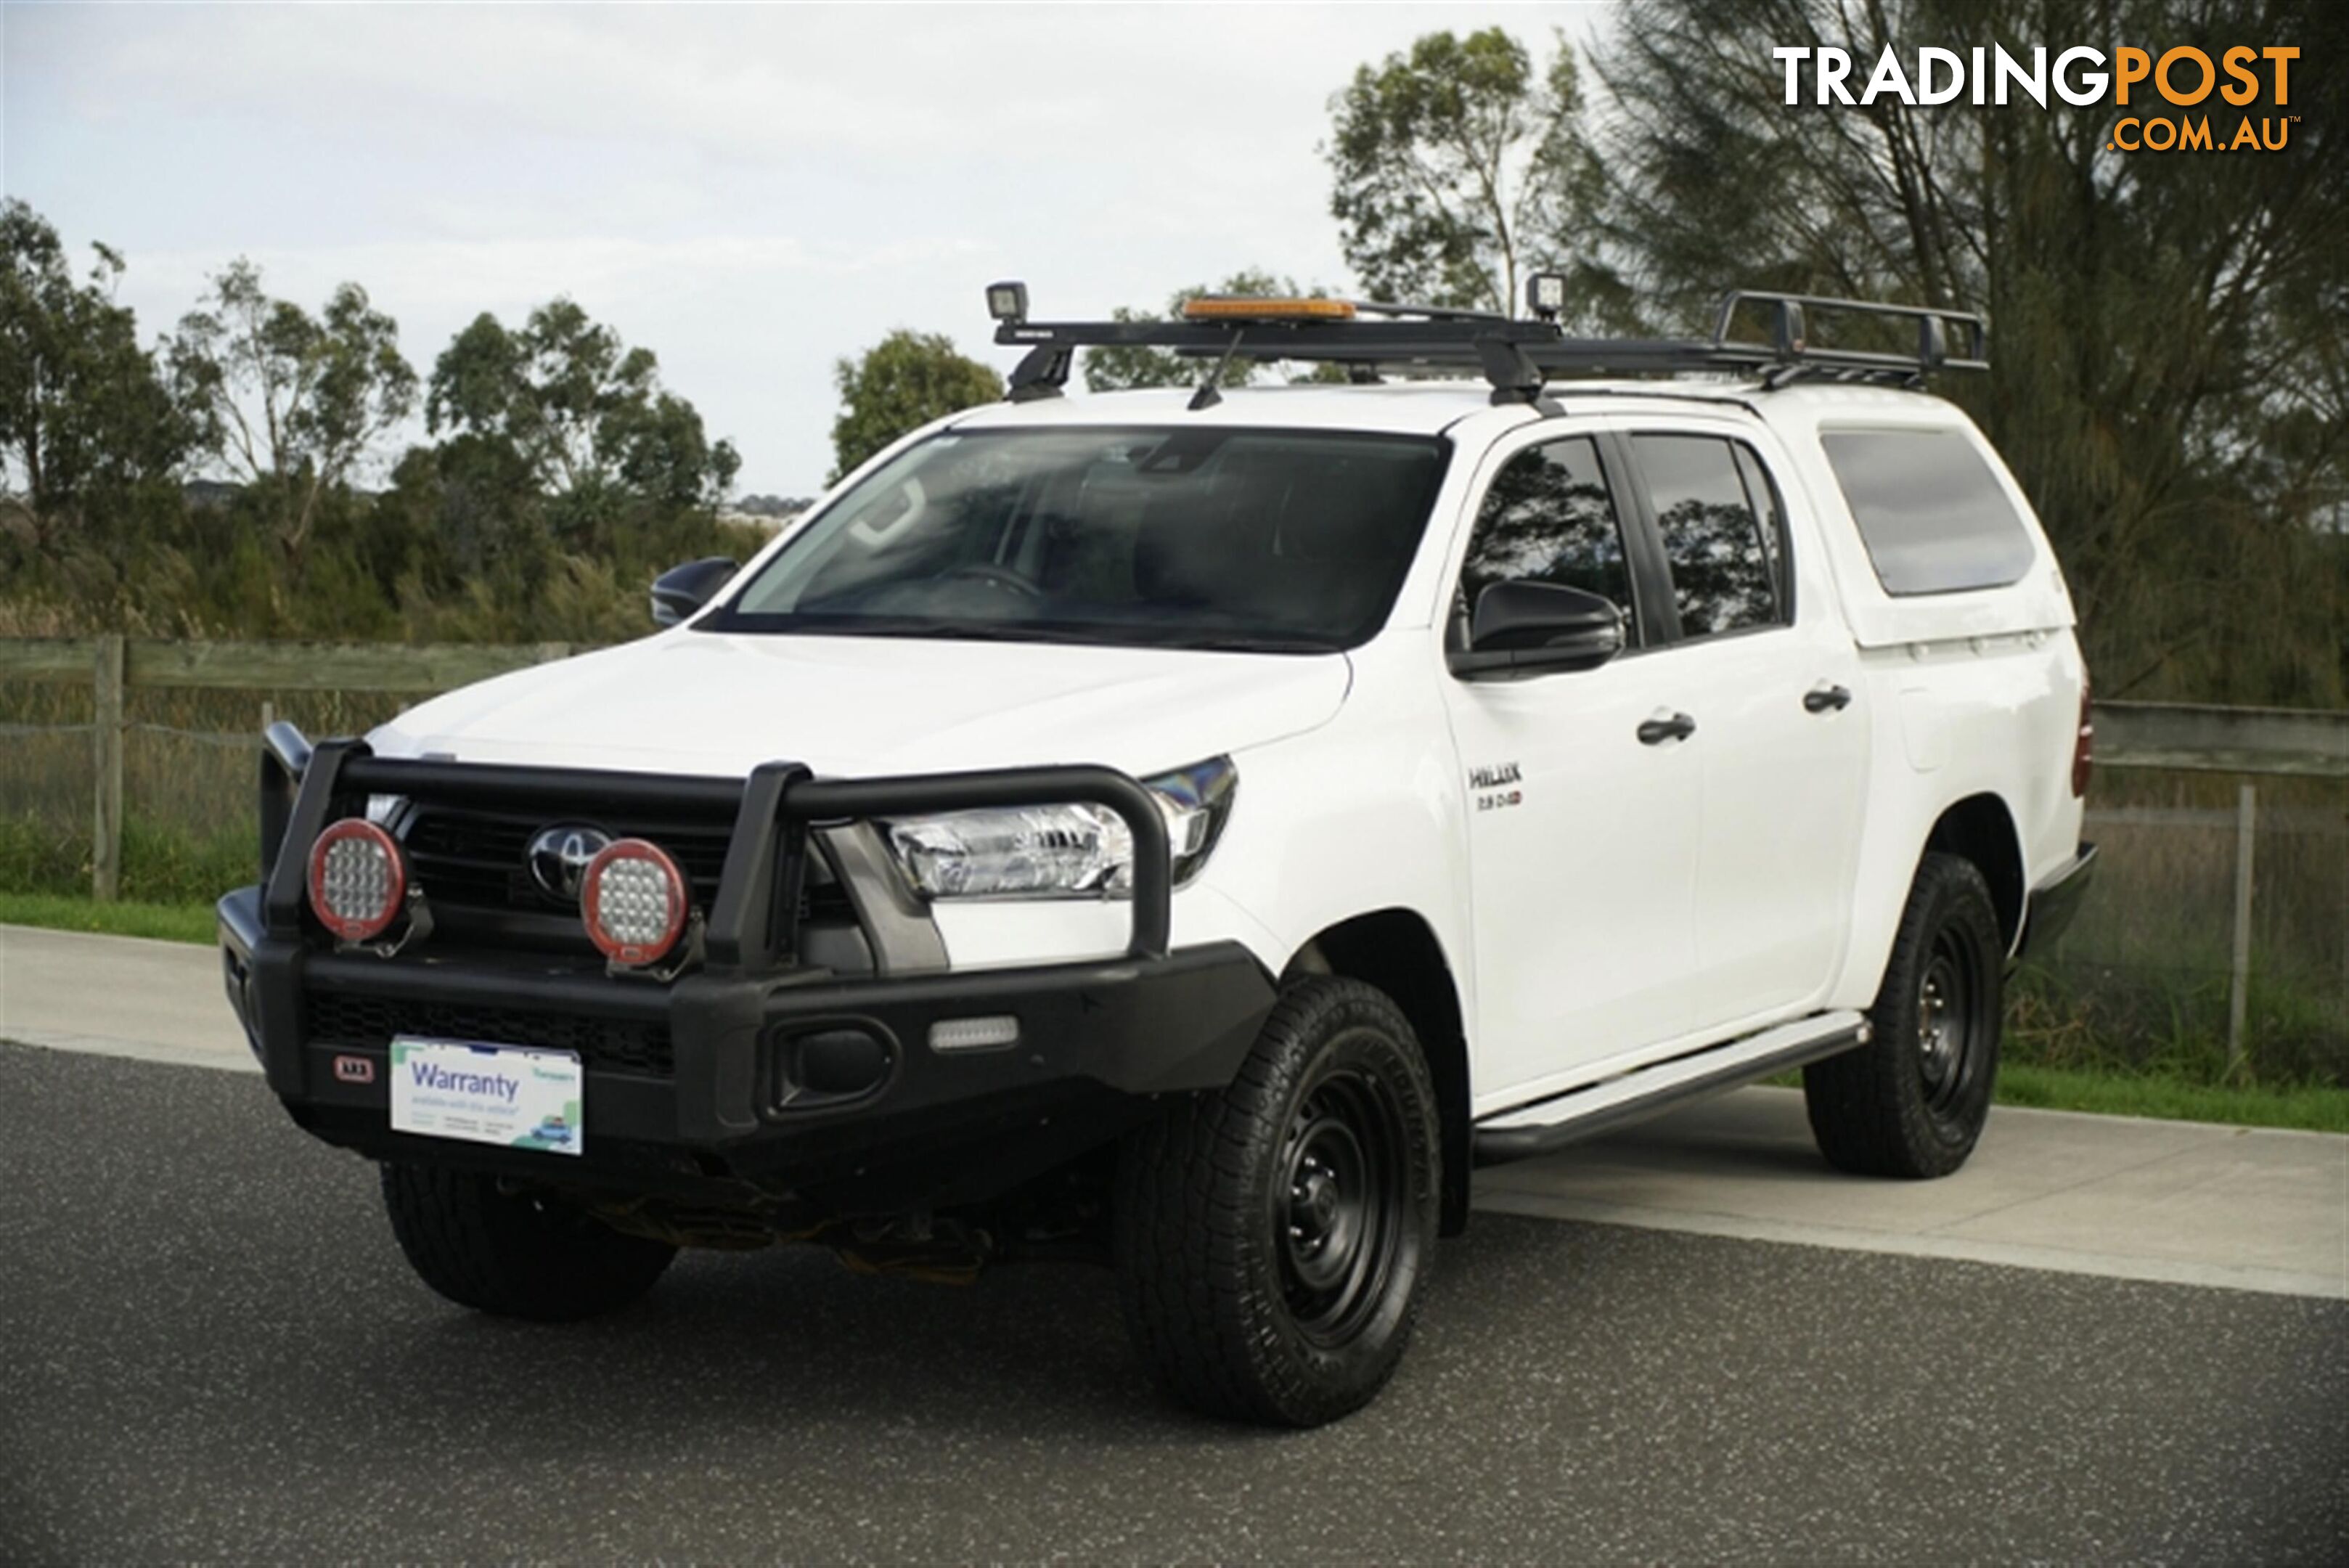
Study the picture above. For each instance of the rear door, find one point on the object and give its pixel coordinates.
(1780, 726)
(1582, 838)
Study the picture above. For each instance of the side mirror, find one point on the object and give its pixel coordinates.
(1526, 626)
(678, 592)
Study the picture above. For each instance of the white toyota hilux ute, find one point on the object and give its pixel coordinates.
(1193, 829)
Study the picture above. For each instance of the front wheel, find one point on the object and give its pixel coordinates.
(1913, 1100)
(1272, 1236)
(517, 1254)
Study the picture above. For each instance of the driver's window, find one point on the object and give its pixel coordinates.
(1548, 518)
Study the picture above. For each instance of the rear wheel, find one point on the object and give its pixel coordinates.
(1912, 1101)
(1272, 1236)
(516, 1254)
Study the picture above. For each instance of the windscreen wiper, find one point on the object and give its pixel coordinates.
(922, 625)
(1213, 642)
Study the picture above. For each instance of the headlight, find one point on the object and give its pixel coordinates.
(1061, 851)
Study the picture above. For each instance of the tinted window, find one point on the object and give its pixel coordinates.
(1763, 491)
(1723, 574)
(1932, 514)
(1548, 518)
(1205, 537)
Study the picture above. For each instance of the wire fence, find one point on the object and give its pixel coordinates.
(188, 762)
(2148, 973)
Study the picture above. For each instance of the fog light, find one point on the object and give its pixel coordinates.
(975, 1034)
(633, 900)
(1545, 294)
(359, 879)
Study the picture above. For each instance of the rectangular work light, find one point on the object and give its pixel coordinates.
(1008, 301)
(1545, 294)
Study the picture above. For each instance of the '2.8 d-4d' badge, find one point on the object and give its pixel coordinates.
(558, 857)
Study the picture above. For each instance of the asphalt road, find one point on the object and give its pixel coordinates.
(210, 1347)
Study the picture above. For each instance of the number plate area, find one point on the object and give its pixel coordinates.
(510, 1096)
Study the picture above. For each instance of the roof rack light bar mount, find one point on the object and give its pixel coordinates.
(1519, 359)
(1516, 377)
(1041, 372)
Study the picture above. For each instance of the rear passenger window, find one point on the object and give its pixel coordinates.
(1934, 517)
(1549, 518)
(1724, 562)
(1763, 491)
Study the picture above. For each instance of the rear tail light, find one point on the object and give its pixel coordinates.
(633, 900)
(359, 879)
(2084, 748)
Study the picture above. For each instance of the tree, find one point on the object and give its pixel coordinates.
(278, 394)
(2168, 375)
(901, 383)
(1458, 170)
(1116, 369)
(582, 413)
(83, 415)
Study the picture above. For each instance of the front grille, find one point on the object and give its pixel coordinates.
(481, 859)
(602, 1044)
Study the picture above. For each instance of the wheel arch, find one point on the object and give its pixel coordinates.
(1981, 829)
(1978, 826)
(1399, 952)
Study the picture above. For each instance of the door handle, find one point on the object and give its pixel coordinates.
(1656, 732)
(1826, 698)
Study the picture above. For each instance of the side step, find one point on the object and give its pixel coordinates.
(1594, 1108)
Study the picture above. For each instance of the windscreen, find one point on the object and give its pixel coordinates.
(1279, 541)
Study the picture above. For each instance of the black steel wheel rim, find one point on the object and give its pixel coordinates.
(1948, 1022)
(1340, 1203)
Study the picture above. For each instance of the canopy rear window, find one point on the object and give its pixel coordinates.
(1934, 517)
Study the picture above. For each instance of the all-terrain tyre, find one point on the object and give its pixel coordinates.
(1272, 1237)
(514, 1254)
(1912, 1102)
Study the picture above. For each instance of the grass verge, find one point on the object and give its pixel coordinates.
(2311, 1108)
(62, 912)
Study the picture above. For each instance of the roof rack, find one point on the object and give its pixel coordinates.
(1517, 357)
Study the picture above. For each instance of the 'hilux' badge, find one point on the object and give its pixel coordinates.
(558, 857)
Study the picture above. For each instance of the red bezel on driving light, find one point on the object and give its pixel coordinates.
(591, 902)
(342, 926)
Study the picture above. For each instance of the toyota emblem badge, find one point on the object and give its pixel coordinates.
(558, 857)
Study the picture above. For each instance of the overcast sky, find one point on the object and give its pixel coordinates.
(751, 193)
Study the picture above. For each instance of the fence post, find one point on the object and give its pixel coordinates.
(2238, 992)
(106, 750)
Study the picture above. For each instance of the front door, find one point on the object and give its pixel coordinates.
(1582, 835)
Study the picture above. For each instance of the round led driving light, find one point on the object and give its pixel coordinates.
(359, 879)
(632, 900)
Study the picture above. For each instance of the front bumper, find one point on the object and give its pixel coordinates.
(755, 1072)
(709, 1078)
